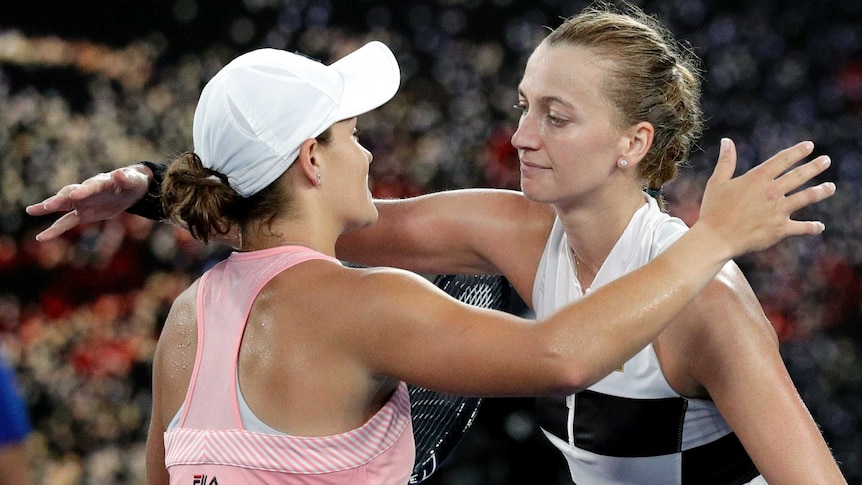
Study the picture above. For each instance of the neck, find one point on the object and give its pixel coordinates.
(261, 245)
(276, 237)
(592, 231)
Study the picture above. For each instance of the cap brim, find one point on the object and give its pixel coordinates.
(371, 78)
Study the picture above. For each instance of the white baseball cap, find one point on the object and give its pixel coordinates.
(254, 114)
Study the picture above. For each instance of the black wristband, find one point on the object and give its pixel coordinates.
(151, 205)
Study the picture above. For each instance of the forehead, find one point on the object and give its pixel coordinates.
(348, 124)
(564, 71)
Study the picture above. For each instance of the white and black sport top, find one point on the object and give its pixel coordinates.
(631, 427)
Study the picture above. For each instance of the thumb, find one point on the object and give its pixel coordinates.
(726, 165)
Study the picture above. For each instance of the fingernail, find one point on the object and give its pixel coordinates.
(809, 145)
(827, 161)
(724, 143)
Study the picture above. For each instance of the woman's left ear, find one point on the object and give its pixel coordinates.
(640, 141)
(309, 161)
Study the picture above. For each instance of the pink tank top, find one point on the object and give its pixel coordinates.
(210, 446)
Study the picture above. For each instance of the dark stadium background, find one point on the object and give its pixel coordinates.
(776, 72)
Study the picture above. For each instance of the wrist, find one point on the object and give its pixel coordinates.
(706, 236)
(144, 169)
(150, 206)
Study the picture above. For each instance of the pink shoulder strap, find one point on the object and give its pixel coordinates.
(224, 299)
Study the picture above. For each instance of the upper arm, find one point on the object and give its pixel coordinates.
(157, 474)
(723, 339)
(731, 349)
(173, 364)
(407, 328)
(471, 231)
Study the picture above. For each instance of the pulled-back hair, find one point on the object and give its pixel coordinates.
(651, 78)
(203, 201)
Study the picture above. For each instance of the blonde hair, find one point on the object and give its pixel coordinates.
(652, 78)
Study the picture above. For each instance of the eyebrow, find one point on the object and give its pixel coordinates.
(550, 99)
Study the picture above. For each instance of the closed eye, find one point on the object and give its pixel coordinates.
(522, 107)
(556, 121)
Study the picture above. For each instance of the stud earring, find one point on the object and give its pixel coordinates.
(318, 178)
(623, 163)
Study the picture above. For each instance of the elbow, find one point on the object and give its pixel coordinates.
(569, 375)
(576, 380)
(563, 364)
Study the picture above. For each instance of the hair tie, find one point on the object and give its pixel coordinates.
(216, 176)
(654, 193)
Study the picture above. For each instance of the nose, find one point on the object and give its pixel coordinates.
(526, 136)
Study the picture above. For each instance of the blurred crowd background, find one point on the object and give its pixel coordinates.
(91, 85)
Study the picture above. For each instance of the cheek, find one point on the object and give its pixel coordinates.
(590, 145)
(583, 161)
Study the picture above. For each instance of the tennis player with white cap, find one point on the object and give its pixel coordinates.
(281, 365)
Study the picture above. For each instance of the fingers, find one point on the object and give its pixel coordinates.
(61, 225)
(800, 175)
(809, 196)
(753, 211)
(37, 209)
(64, 199)
(804, 228)
(96, 184)
(56, 203)
(785, 159)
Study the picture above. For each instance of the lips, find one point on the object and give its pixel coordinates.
(528, 168)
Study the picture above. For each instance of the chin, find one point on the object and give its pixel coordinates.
(372, 219)
(361, 223)
(531, 190)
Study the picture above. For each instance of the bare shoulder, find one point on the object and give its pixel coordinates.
(177, 344)
(181, 323)
(369, 288)
(729, 303)
(176, 350)
(361, 311)
(325, 291)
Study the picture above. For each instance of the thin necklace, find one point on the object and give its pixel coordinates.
(578, 268)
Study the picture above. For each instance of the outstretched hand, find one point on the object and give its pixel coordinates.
(752, 212)
(98, 198)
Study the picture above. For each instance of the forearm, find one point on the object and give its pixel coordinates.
(425, 234)
(777, 430)
(463, 231)
(384, 243)
(792, 451)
